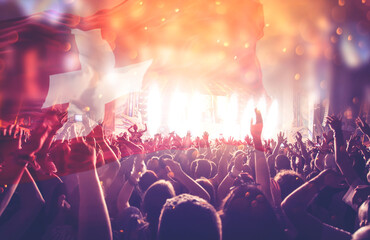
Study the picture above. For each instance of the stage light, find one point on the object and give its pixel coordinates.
(271, 121)
(231, 128)
(261, 106)
(246, 118)
(177, 113)
(195, 114)
(154, 110)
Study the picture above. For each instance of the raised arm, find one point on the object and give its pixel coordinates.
(222, 166)
(31, 202)
(112, 164)
(280, 140)
(261, 166)
(341, 157)
(93, 221)
(16, 159)
(228, 181)
(128, 187)
(302, 146)
(365, 128)
(193, 187)
(296, 203)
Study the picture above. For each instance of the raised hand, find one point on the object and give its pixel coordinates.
(352, 143)
(174, 168)
(365, 128)
(82, 156)
(10, 140)
(248, 140)
(256, 129)
(335, 123)
(298, 137)
(205, 136)
(280, 138)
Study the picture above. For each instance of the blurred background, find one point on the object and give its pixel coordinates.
(214, 61)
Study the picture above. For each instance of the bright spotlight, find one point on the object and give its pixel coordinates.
(177, 113)
(154, 110)
(271, 122)
(248, 114)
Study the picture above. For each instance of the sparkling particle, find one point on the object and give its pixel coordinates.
(341, 3)
(297, 76)
(284, 49)
(146, 28)
(339, 31)
(163, 19)
(246, 45)
(349, 38)
(177, 10)
(226, 44)
(218, 3)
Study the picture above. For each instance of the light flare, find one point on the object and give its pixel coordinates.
(154, 110)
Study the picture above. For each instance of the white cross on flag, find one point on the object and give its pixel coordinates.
(88, 60)
(98, 82)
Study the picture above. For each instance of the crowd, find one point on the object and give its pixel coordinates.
(172, 187)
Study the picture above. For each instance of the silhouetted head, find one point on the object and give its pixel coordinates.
(153, 201)
(364, 214)
(288, 181)
(362, 233)
(246, 212)
(201, 168)
(147, 179)
(208, 186)
(187, 217)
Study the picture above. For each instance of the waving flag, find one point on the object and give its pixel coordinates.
(49, 58)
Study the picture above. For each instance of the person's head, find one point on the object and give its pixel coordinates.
(201, 168)
(363, 213)
(192, 154)
(130, 224)
(153, 164)
(362, 233)
(187, 217)
(247, 212)
(154, 198)
(282, 162)
(147, 179)
(207, 185)
(288, 181)
(135, 127)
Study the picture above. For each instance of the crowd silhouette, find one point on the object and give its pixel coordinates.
(170, 187)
